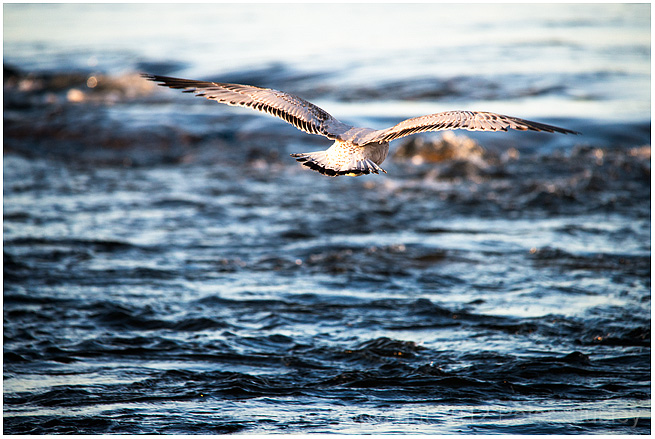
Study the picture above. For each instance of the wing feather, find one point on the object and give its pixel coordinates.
(467, 120)
(298, 112)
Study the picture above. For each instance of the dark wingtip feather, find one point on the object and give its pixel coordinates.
(168, 81)
(537, 126)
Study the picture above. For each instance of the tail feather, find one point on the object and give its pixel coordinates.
(323, 162)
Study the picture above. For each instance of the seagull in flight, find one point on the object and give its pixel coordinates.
(356, 151)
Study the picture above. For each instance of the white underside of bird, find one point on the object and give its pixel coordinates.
(356, 151)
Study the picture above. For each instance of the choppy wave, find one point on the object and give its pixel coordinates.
(486, 302)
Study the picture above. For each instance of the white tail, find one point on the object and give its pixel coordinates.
(344, 158)
(320, 161)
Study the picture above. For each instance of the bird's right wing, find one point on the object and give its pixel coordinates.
(467, 120)
(298, 112)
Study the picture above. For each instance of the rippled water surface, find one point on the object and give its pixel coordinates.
(168, 268)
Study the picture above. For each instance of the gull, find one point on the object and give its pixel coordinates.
(356, 150)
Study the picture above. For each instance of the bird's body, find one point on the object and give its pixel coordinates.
(356, 150)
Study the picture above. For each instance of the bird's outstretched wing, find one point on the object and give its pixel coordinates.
(298, 112)
(451, 120)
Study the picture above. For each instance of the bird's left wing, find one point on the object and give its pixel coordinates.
(467, 120)
(298, 112)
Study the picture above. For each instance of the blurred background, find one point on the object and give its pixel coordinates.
(168, 268)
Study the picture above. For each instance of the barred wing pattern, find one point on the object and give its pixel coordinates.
(298, 112)
(450, 120)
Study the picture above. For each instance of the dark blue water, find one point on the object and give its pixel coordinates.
(168, 268)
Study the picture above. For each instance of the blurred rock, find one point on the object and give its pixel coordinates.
(450, 146)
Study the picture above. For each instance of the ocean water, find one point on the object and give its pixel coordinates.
(168, 268)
